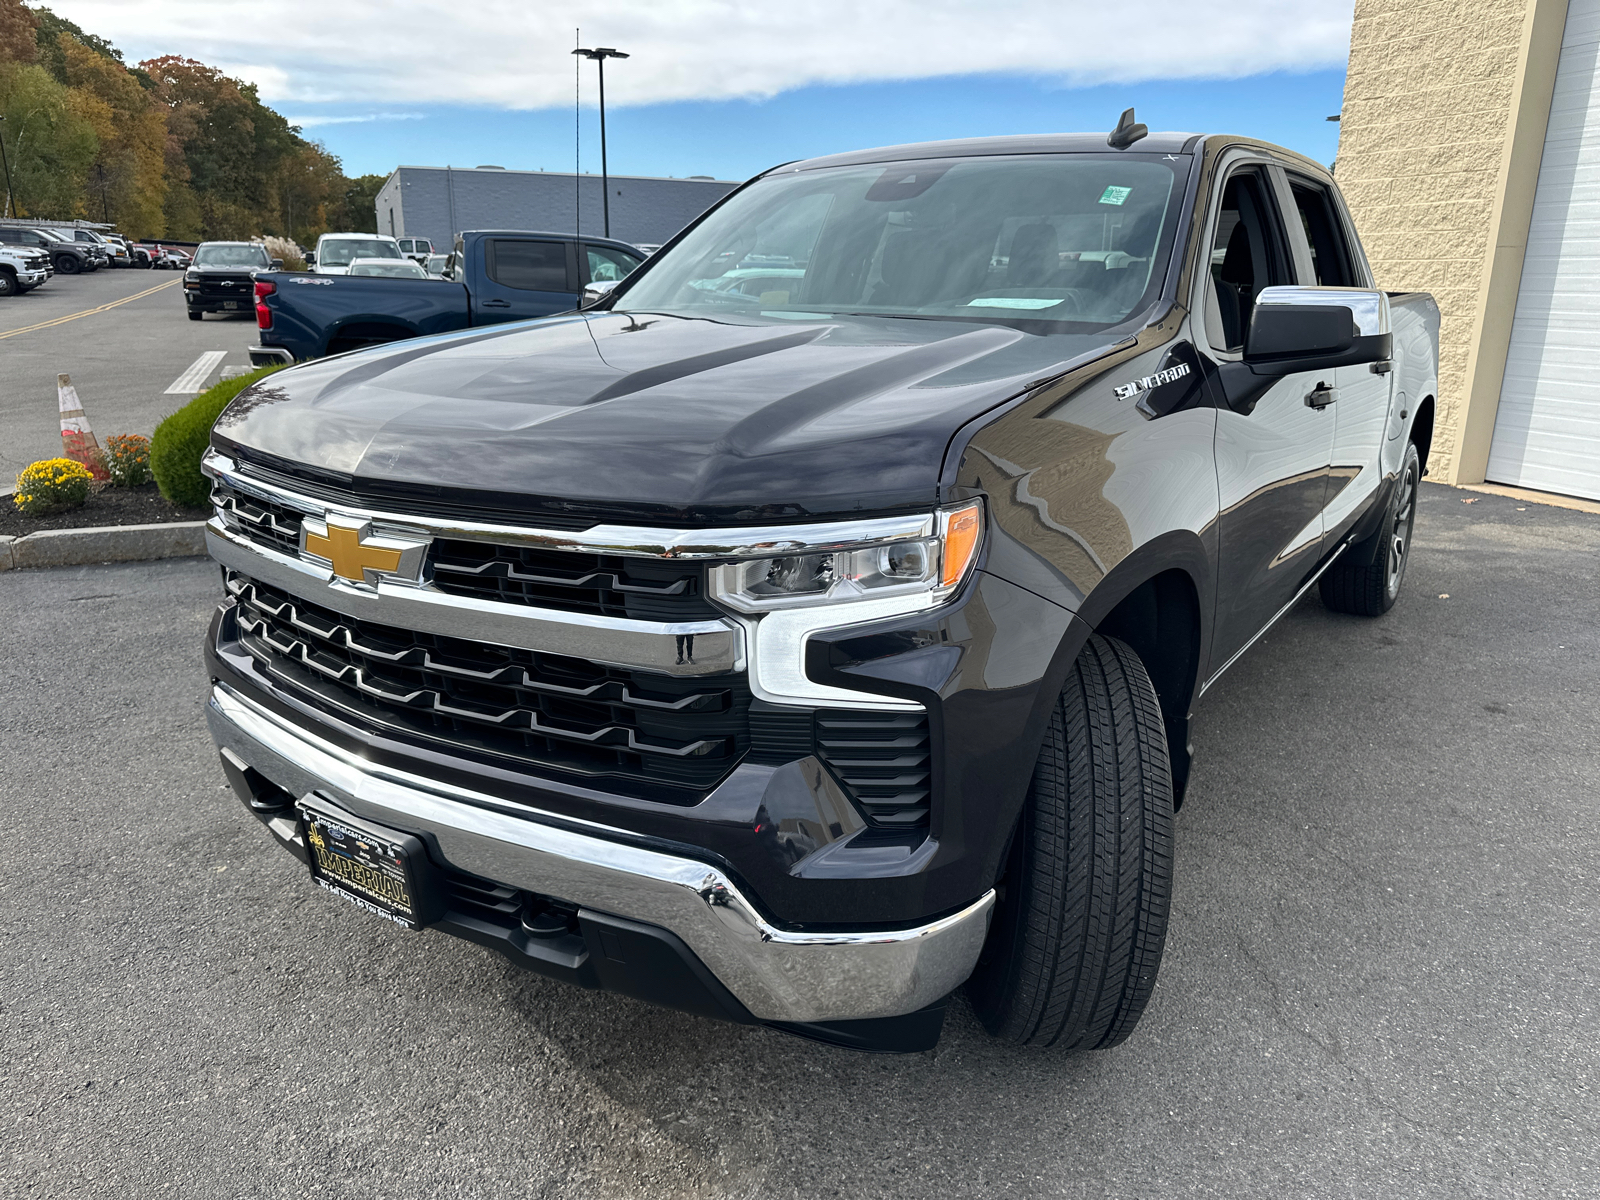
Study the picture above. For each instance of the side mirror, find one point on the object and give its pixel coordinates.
(311, 259)
(595, 292)
(1316, 329)
(277, 264)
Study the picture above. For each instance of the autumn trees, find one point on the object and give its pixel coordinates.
(170, 148)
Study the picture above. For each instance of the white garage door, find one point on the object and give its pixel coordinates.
(1547, 430)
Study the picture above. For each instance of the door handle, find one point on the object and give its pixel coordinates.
(496, 304)
(1321, 396)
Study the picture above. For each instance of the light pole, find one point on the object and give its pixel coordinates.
(10, 207)
(599, 55)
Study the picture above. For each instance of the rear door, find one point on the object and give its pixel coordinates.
(1272, 461)
(1361, 411)
(525, 277)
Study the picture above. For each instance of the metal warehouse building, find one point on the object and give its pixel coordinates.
(1470, 155)
(439, 202)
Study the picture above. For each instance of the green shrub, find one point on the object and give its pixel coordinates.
(50, 485)
(181, 439)
(127, 457)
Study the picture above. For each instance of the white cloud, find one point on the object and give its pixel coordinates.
(515, 54)
(313, 122)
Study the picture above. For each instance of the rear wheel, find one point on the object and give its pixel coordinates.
(195, 315)
(1081, 922)
(1367, 577)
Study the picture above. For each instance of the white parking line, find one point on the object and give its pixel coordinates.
(194, 379)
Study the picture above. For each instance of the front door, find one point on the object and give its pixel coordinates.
(1272, 460)
(523, 278)
(1362, 409)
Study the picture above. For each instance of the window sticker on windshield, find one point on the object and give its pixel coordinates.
(1115, 195)
(1013, 302)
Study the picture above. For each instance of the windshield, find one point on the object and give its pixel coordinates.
(338, 253)
(405, 269)
(1068, 240)
(231, 256)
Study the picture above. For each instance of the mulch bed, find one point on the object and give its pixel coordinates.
(105, 506)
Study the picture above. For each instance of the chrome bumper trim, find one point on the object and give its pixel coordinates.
(706, 647)
(777, 974)
(266, 356)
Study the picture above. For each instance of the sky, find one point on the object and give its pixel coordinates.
(715, 87)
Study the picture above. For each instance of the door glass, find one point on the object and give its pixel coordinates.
(606, 263)
(1329, 254)
(528, 266)
(1245, 258)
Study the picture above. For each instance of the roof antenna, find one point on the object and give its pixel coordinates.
(1126, 133)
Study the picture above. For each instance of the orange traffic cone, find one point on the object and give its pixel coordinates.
(76, 435)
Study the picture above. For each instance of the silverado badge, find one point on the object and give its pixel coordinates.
(1150, 382)
(354, 553)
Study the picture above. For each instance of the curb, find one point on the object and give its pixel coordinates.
(107, 543)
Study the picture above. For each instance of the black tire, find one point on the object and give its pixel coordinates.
(195, 316)
(66, 264)
(1366, 579)
(8, 284)
(1081, 919)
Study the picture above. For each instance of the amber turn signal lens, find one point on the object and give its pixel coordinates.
(961, 531)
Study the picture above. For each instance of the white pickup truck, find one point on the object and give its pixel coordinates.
(22, 269)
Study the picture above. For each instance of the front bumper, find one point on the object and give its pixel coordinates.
(775, 975)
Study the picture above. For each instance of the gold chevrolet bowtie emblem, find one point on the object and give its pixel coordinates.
(356, 553)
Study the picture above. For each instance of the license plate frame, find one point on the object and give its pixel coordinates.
(384, 872)
(232, 304)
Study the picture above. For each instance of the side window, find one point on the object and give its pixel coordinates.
(528, 266)
(1247, 255)
(1329, 254)
(606, 263)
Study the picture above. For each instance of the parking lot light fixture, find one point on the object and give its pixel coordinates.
(598, 56)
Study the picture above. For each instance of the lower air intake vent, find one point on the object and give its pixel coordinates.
(883, 759)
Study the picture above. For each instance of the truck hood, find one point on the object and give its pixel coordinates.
(672, 419)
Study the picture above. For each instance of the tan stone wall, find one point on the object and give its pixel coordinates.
(1430, 102)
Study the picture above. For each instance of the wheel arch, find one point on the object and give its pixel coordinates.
(1422, 430)
(1161, 619)
(367, 330)
(1157, 600)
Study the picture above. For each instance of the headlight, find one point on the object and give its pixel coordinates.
(930, 564)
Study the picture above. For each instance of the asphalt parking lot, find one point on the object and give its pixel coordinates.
(123, 336)
(1380, 979)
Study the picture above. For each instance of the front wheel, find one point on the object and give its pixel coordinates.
(8, 284)
(1081, 920)
(1366, 578)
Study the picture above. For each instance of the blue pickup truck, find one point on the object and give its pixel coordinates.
(491, 277)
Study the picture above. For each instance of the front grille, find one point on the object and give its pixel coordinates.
(883, 759)
(264, 522)
(675, 736)
(230, 289)
(603, 585)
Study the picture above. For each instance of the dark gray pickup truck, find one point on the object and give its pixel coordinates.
(812, 628)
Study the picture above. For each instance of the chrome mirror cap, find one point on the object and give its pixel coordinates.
(1368, 306)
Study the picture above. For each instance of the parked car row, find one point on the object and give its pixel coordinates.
(31, 253)
(66, 254)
